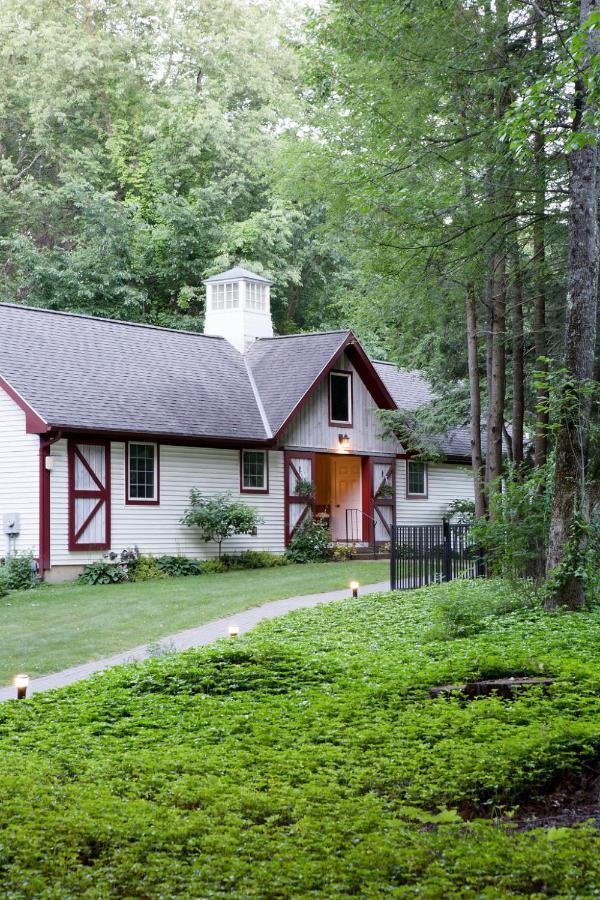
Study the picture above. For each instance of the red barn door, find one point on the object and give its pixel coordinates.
(89, 495)
(299, 491)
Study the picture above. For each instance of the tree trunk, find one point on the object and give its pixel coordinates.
(518, 357)
(571, 495)
(539, 269)
(497, 388)
(475, 404)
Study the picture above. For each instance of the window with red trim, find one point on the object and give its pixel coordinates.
(340, 398)
(142, 473)
(416, 478)
(254, 472)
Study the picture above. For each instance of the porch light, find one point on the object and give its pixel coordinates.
(21, 684)
(354, 588)
(344, 441)
(234, 631)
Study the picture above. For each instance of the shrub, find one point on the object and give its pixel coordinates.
(514, 537)
(213, 567)
(342, 552)
(460, 511)
(144, 568)
(4, 588)
(311, 543)
(179, 566)
(220, 517)
(254, 559)
(103, 572)
(20, 572)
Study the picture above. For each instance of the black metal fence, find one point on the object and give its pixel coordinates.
(427, 554)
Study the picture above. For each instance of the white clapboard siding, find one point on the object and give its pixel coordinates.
(311, 429)
(19, 475)
(446, 482)
(156, 529)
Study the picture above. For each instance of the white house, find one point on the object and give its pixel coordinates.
(105, 427)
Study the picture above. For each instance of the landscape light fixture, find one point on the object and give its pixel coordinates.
(354, 588)
(234, 631)
(21, 684)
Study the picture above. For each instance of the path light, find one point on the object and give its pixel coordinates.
(234, 631)
(21, 684)
(354, 588)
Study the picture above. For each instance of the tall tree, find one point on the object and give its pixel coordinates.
(571, 490)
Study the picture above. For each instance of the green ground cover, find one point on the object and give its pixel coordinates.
(307, 760)
(56, 626)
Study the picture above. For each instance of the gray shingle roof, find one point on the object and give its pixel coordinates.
(285, 368)
(236, 272)
(81, 372)
(411, 390)
(408, 389)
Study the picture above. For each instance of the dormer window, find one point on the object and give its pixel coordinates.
(340, 398)
(226, 295)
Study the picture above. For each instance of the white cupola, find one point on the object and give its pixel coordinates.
(238, 307)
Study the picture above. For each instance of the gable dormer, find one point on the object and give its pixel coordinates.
(238, 307)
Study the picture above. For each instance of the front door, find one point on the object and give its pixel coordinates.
(346, 496)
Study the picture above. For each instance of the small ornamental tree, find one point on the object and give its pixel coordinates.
(220, 517)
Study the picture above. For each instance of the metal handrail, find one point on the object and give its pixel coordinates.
(360, 512)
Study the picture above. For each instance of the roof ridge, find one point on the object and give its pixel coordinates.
(280, 337)
(258, 399)
(110, 321)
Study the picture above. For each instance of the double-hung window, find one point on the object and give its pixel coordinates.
(416, 478)
(254, 475)
(142, 473)
(340, 398)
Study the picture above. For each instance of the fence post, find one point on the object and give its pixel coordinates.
(447, 558)
(393, 554)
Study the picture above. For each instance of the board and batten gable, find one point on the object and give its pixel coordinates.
(156, 529)
(310, 428)
(445, 482)
(19, 476)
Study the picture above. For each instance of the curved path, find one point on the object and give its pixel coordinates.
(192, 637)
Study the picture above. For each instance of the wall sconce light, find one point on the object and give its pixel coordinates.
(234, 631)
(344, 441)
(354, 588)
(21, 684)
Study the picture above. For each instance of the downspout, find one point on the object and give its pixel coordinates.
(44, 502)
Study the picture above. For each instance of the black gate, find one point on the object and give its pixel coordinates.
(426, 554)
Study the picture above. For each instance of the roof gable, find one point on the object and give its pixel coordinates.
(287, 371)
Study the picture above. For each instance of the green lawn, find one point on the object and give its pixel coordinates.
(306, 759)
(57, 626)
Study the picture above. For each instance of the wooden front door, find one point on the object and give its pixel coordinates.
(383, 497)
(89, 495)
(346, 494)
(299, 491)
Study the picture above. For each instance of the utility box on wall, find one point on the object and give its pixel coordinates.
(11, 524)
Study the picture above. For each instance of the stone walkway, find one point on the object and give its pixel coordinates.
(192, 637)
